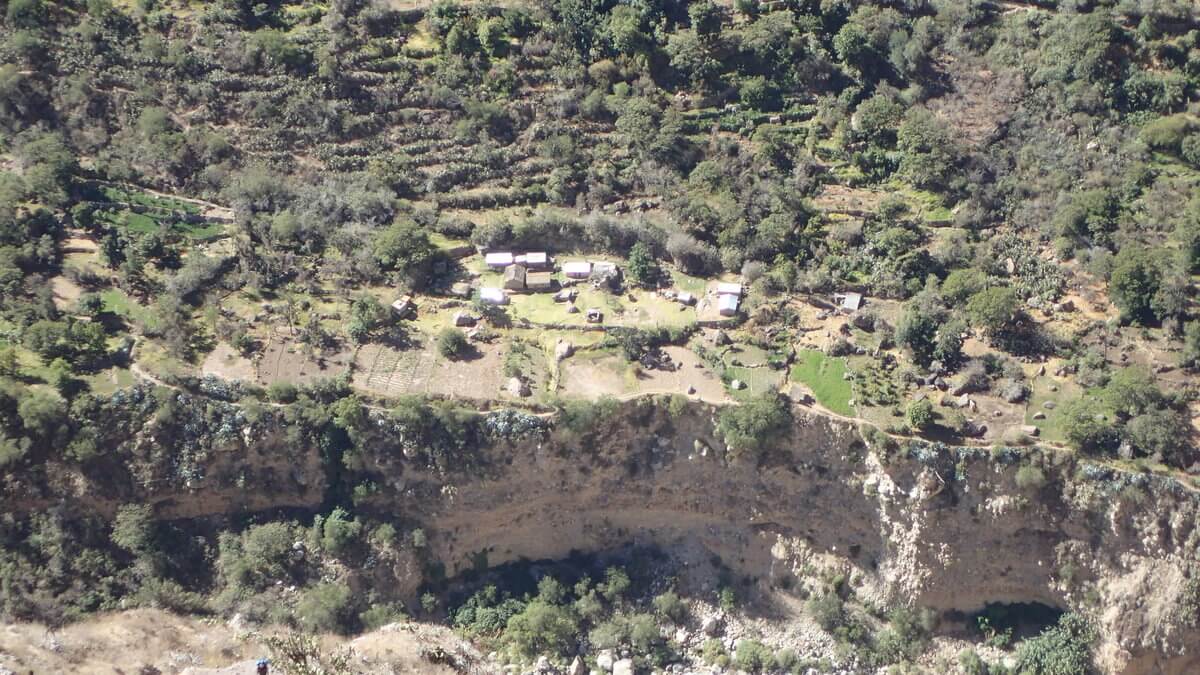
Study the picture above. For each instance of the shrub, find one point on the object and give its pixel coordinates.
(338, 532)
(133, 528)
(750, 427)
(1062, 649)
(282, 392)
(380, 615)
(327, 607)
(919, 415)
(1166, 134)
(452, 343)
(543, 628)
(616, 584)
(670, 606)
(753, 656)
(1030, 477)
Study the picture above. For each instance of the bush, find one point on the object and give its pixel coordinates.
(543, 628)
(919, 415)
(338, 532)
(133, 528)
(1063, 649)
(381, 615)
(1030, 477)
(327, 607)
(452, 343)
(753, 656)
(670, 606)
(1166, 134)
(751, 426)
(282, 392)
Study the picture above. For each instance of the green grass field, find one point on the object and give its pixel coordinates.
(825, 376)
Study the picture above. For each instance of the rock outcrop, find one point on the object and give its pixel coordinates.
(951, 529)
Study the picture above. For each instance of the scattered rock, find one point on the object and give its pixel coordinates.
(563, 349)
(1039, 415)
(721, 338)
(712, 625)
(623, 667)
(463, 319)
(605, 660)
(737, 385)
(1030, 430)
(1049, 405)
(517, 387)
(1041, 370)
(577, 667)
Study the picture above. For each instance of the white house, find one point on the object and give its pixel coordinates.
(727, 304)
(577, 269)
(498, 259)
(729, 289)
(493, 296)
(536, 259)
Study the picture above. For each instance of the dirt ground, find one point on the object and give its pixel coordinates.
(420, 370)
(852, 201)
(66, 292)
(610, 375)
(285, 361)
(146, 640)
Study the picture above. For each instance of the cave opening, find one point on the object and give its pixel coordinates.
(1016, 620)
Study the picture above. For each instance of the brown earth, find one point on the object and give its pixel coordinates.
(146, 640)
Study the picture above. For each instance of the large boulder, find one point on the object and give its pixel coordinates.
(623, 667)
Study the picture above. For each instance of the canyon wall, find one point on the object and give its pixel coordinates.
(950, 529)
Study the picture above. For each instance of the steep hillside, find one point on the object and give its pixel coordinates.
(949, 530)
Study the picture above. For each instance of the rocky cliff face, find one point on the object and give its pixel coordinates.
(943, 528)
(948, 529)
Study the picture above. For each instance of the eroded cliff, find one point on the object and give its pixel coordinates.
(949, 529)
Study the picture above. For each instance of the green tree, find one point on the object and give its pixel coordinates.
(994, 310)
(931, 155)
(133, 529)
(367, 315)
(1135, 279)
(919, 415)
(1062, 649)
(543, 628)
(404, 247)
(340, 532)
(452, 343)
(1132, 391)
(1085, 426)
(642, 267)
(753, 425)
(327, 607)
(961, 284)
(917, 330)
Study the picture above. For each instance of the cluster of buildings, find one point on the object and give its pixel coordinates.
(533, 272)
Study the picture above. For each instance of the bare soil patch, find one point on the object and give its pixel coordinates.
(66, 292)
(849, 200)
(147, 640)
(285, 361)
(420, 370)
(979, 100)
(611, 375)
